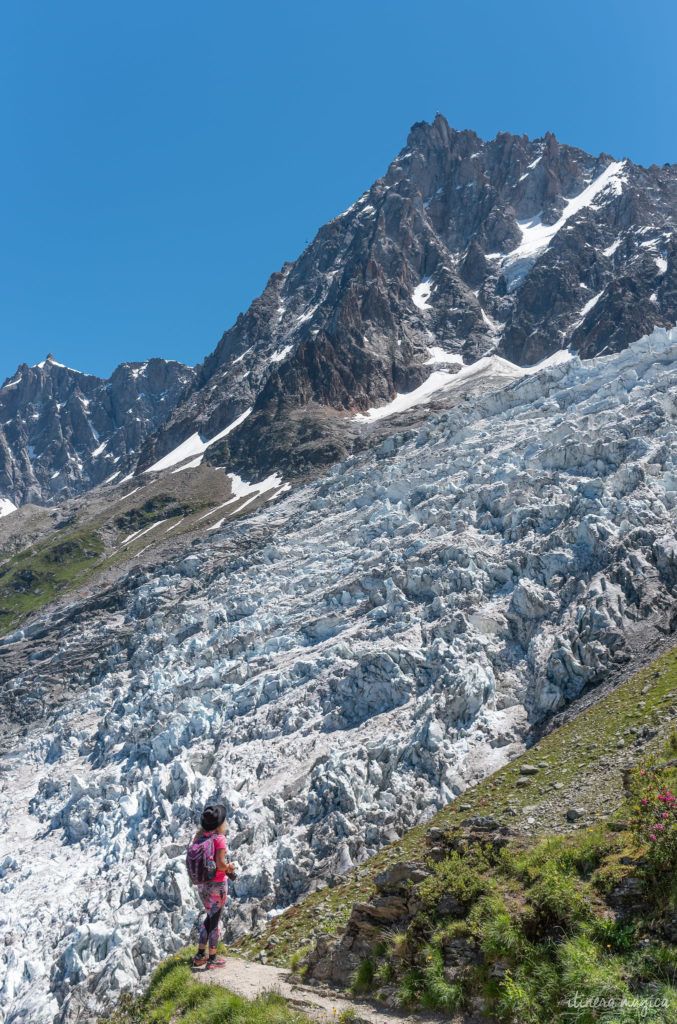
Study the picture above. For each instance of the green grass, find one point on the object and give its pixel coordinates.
(542, 937)
(156, 508)
(73, 555)
(175, 996)
(295, 959)
(77, 552)
(364, 976)
(34, 577)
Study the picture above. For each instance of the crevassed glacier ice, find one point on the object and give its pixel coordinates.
(337, 667)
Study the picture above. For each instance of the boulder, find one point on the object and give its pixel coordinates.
(394, 877)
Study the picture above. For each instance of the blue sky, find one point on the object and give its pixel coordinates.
(160, 160)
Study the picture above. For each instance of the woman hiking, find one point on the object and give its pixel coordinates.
(209, 869)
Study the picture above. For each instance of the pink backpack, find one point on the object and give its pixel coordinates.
(200, 860)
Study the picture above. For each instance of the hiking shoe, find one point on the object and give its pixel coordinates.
(199, 960)
(216, 961)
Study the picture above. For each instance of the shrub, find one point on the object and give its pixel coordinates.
(655, 961)
(491, 922)
(653, 822)
(558, 900)
(384, 973)
(588, 974)
(610, 874)
(364, 976)
(439, 994)
(458, 876)
(586, 853)
(516, 1001)
(410, 988)
(613, 935)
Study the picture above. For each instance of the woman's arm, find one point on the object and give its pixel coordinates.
(220, 858)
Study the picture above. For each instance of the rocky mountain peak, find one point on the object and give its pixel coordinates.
(511, 246)
(439, 135)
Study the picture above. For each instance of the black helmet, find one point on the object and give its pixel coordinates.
(213, 816)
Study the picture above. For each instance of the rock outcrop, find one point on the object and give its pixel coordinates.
(335, 959)
(463, 248)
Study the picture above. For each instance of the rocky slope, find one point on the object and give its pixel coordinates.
(62, 432)
(336, 667)
(452, 898)
(464, 248)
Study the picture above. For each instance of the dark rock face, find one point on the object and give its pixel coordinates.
(62, 432)
(335, 959)
(513, 246)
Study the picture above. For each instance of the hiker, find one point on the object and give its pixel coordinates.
(210, 871)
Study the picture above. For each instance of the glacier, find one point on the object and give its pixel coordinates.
(336, 667)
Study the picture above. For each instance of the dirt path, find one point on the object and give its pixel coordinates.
(249, 979)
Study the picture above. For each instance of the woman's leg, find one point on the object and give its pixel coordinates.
(213, 895)
(219, 896)
(208, 897)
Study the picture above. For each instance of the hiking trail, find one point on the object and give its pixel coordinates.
(249, 980)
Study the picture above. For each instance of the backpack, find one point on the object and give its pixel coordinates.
(200, 860)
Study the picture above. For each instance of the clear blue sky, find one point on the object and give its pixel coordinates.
(161, 159)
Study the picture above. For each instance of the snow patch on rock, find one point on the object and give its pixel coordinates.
(6, 507)
(193, 446)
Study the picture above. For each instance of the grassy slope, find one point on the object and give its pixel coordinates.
(71, 557)
(174, 995)
(33, 577)
(584, 913)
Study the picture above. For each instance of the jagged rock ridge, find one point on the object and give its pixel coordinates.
(62, 431)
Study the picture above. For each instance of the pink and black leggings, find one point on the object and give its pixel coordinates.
(213, 895)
